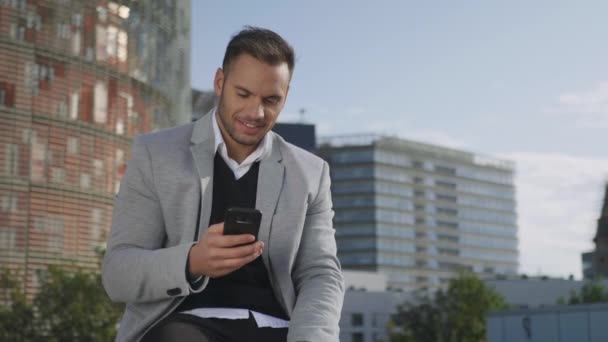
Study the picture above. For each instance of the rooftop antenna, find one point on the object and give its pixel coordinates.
(302, 114)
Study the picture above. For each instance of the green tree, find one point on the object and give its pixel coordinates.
(16, 315)
(591, 292)
(73, 306)
(456, 314)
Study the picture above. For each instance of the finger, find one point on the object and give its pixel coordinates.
(234, 263)
(232, 240)
(238, 252)
(216, 229)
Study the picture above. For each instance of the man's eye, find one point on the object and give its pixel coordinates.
(242, 95)
(271, 101)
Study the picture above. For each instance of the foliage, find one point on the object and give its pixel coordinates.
(456, 314)
(71, 305)
(591, 292)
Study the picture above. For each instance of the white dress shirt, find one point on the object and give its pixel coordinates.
(239, 171)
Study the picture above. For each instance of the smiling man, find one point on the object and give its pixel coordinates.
(167, 256)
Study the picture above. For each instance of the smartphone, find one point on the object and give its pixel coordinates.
(242, 221)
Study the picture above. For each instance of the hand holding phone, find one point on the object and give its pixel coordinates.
(242, 221)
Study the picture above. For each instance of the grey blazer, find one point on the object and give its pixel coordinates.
(154, 222)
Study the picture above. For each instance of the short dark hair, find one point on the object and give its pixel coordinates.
(263, 44)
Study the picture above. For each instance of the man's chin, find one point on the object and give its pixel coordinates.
(249, 142)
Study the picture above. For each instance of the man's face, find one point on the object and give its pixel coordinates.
(252, 94)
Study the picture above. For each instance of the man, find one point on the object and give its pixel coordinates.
(167, 257)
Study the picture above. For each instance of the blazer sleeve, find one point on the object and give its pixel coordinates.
(316, 274)
(136, 267)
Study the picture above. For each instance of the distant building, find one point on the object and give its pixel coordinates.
(300, 134)
(366, 315)
(419, 213)
(595, 263)
(79, 79)
(536, 292)
(364, 281)
(368, 307)
(568, 323)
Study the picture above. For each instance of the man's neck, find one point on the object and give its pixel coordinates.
(239, 152)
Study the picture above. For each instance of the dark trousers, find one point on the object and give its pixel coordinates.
(190, 328)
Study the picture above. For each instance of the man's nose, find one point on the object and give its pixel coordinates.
(255, 110)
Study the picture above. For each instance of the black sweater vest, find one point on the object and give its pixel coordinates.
(248, 287)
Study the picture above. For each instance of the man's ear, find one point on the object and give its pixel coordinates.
(218, 82)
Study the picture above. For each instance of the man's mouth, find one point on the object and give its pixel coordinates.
(251, 124)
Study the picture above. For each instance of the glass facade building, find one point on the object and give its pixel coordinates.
(420, 213)
(78, 79)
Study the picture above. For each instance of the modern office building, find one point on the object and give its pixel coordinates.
(419, 213)
(78, 79)
(368, 307)
(302, 135)
(595, 263)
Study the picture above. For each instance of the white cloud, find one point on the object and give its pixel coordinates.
(558, 202)
(588, 108)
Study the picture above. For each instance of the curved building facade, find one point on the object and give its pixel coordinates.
(78, 79)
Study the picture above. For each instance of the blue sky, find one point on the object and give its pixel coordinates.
(520, 80)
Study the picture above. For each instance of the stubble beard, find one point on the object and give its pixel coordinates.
(231, 130)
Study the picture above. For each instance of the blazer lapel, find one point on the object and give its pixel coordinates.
(202, 149)
(270, 183)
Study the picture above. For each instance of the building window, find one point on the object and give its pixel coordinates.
(7, 239)
(12, 160)
(356, 319)
(447, 211)
(9, 203)
(85, 181)
(77, 20)
(63, 31)
(100, 103)
(7, 94)
(357, 337)
(444, 170)
(447, 198)
(449, 238)
(76, 43)
(101, 40)
(62, 109)
(74, 104)
(97, 167)
(38, 161)
(55, 243)
(120, 126)
(96, 226)
(444, 184)
(445, 224)
(57, 175)
(72, 145)
(54, 227)
(115, 42)
(449, 251)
